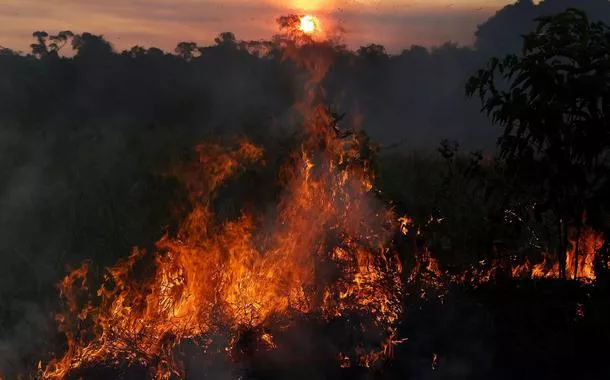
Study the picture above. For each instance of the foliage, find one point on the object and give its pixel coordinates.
(501, 34)
(555, 111)
(459, 201)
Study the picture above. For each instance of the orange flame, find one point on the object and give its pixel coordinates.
(580, 259)
(324, 254)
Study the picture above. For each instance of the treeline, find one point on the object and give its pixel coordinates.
(417, 94)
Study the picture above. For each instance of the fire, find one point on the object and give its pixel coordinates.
(309, 24)
(405, 224)
(210, 277)
(580, 264)
(580, 259)
(324, 251)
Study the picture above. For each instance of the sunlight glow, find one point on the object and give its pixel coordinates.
(312, 5)
(309, 24)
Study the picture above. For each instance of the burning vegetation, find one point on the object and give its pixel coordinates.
(580, 262)
(324, 251)
(329, 251)
(325, 254)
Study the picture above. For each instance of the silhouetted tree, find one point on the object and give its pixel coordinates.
(501, 33)
(40, 49)
(372, 51)
(60, 40)
(155, 52)
(135, 52)
(6, 51)
(91, 46)
(554, 104)
(226, 39)
(186, 50)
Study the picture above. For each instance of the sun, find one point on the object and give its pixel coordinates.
(309, 24)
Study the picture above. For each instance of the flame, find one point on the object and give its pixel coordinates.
(210, 276)
(325, 253)
(580, 259)
(405, 224)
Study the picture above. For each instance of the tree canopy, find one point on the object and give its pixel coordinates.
(553, 102)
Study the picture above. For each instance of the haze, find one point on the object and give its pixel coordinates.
(160, 23)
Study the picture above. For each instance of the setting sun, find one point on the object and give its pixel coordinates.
(309, 24)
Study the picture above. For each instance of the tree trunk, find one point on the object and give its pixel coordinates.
(576, 250)
(562, 249)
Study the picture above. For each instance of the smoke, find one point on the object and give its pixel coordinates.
(29, 262)
(27, 337)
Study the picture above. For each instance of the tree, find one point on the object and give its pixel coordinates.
(6, 51)
(417, 52)
(40, 48)
(374, 51)
(90, 45)
(501, 33)
(186, 50)
(135, 52)
(155, 52)
(554, 103)
(60, 40)
(226, 39)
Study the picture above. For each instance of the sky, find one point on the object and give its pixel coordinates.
(397, 24)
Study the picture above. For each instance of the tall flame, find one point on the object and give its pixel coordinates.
(324, 254)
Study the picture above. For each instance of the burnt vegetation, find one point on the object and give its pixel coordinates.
(504, 250)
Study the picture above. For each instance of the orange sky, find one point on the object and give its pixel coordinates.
(162, 23)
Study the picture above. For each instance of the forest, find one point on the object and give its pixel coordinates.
(218, 211)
